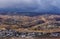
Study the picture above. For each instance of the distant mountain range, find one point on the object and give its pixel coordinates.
(14, 11)
(27, 13)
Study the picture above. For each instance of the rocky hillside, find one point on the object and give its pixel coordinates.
(27, 22)
(42, 25)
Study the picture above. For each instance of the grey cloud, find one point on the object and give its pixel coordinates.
(35, 5)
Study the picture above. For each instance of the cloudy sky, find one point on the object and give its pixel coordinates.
(32, 5)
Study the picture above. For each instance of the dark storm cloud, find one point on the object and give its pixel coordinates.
(32, 5)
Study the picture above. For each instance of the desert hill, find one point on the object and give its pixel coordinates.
(27, 22)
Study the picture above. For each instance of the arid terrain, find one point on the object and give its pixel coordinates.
(32, 38)
(48, 25)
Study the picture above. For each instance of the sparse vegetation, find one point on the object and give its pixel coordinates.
(42, 23)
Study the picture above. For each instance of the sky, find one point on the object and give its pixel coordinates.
(31, 5)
